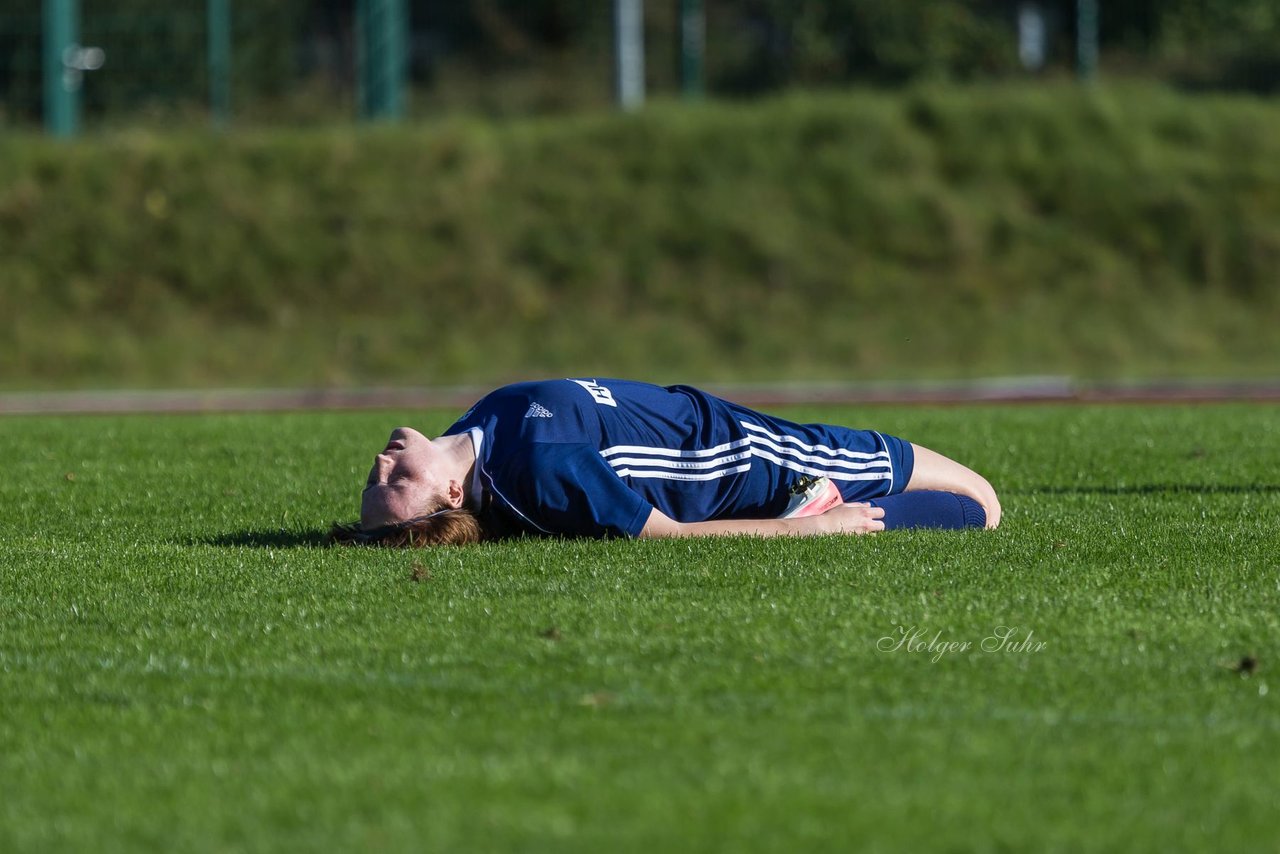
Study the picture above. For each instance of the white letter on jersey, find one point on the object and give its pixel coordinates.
(602, 395)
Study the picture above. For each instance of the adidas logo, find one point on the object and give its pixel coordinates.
(537, 410)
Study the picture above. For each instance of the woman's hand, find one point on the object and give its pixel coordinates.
(853, 518)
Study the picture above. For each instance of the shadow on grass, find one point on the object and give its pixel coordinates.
(1157, 489)
(268, 539)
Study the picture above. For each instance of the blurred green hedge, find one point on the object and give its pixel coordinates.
(942, 232)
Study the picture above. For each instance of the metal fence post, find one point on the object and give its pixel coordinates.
(628, 52)
(61, 81)
(693, 47)
(218, 13)
(381, 41)
(1087, 38)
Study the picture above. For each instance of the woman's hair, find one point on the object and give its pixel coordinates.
(451, 527)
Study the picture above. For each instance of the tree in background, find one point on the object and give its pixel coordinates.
(1231, 44)
(295, 59)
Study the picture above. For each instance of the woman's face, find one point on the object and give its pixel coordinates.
(402, 483)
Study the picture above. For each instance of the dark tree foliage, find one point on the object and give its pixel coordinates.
(156, 49)
(1213, 43)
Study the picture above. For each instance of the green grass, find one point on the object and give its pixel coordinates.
(181, 667)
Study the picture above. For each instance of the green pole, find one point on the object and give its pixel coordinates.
(61, 80)
(219, 26)
(382, 40)
(1087, 38)
(693, 47)
(362, 57)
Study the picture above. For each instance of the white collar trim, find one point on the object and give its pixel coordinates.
(477, 490)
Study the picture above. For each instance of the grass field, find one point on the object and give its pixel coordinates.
(182, 666)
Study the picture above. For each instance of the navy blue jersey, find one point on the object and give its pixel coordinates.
(586, 457)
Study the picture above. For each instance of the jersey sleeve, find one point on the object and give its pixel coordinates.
(568, 489)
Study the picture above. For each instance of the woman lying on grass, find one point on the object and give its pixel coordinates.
(599, 458)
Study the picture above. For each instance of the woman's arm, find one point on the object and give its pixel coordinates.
(844, 519)
(932, 472)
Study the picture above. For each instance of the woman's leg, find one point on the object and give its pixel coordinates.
(935, 472)
(930, 508)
